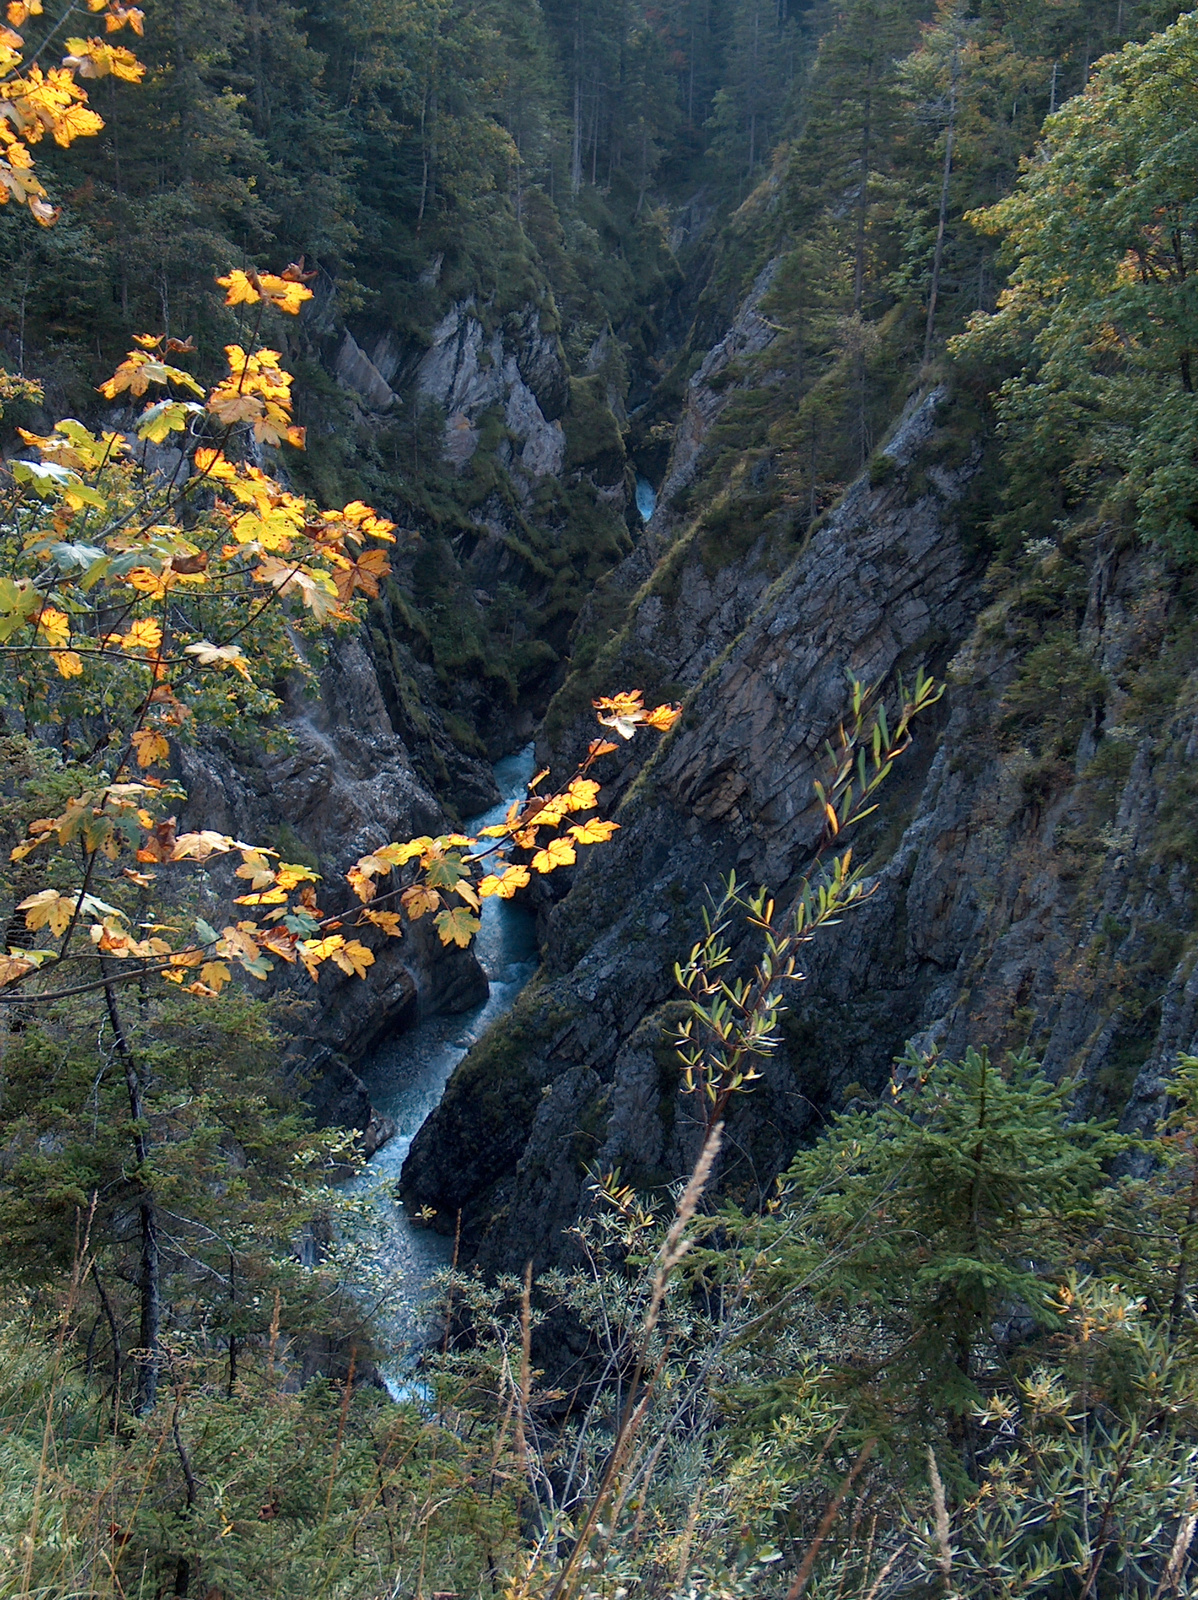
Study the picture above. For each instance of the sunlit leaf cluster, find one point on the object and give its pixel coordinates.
(41, 100)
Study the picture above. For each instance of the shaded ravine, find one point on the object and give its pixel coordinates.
(406, 1078)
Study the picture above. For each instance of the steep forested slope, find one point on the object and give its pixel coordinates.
(1029, 888)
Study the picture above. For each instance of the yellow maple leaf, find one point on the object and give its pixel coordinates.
(118, 16)
(68, 663)
(354, 957)
(399, 854)
(313, 951)
(630, 704)
(456, 926)
(505, 884)
(466, 891)
(557, 853)
(239, 289)
(256, 867)
(54, 625)
(365, 573)
(361, 883)
(95, 58)
(284, 293)
(388, 921)
(143, 635)
(139, 369)
(48, 909)
(622, 712)
(593, 832)
(247, 288)
(199, 846)
(149, 746)
(239, 941)
(552, 811)
(582, 794)
(152, 584)
(289, 876)
(418, 900)
(75, 122)
(215, 974)
(232, 407)
(131, 375)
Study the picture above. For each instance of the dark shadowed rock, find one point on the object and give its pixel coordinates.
(343, 784)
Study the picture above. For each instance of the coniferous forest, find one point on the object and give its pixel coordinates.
(598, 720)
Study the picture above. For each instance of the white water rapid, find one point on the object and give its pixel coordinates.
(646, 498)
(406, 1078)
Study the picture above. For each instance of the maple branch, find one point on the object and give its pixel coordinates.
(148, 970)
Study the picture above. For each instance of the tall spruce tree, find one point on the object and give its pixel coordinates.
(953, 1207)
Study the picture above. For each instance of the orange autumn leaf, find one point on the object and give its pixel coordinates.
(663, 717)
(364, 573)
(419, 900)
(149, 746)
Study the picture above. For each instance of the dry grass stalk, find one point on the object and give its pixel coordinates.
(1171, 1576)
(673, 1248)
(803, 1575)
(876, 1585)
(944, 1558)
(522, 1410)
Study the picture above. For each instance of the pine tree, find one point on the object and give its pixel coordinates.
(959, 1201)
(751, 105)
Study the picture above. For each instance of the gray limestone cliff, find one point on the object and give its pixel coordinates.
(519, 371)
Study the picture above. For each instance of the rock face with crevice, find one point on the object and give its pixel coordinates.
(749, 334)
(884, 583)
(1032, 860)
(516, 369)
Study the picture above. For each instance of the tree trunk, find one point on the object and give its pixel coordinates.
(938, 254)
(576, 146)
(149, 1282)
(1181, 1280)
(863, 194)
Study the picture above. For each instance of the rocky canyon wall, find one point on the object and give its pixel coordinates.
(1032, 862)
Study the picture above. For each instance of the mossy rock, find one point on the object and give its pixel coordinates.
(593, 436)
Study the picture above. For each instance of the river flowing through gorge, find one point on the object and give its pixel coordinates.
(406, 1078)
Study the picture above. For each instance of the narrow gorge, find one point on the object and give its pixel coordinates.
(484, 483)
